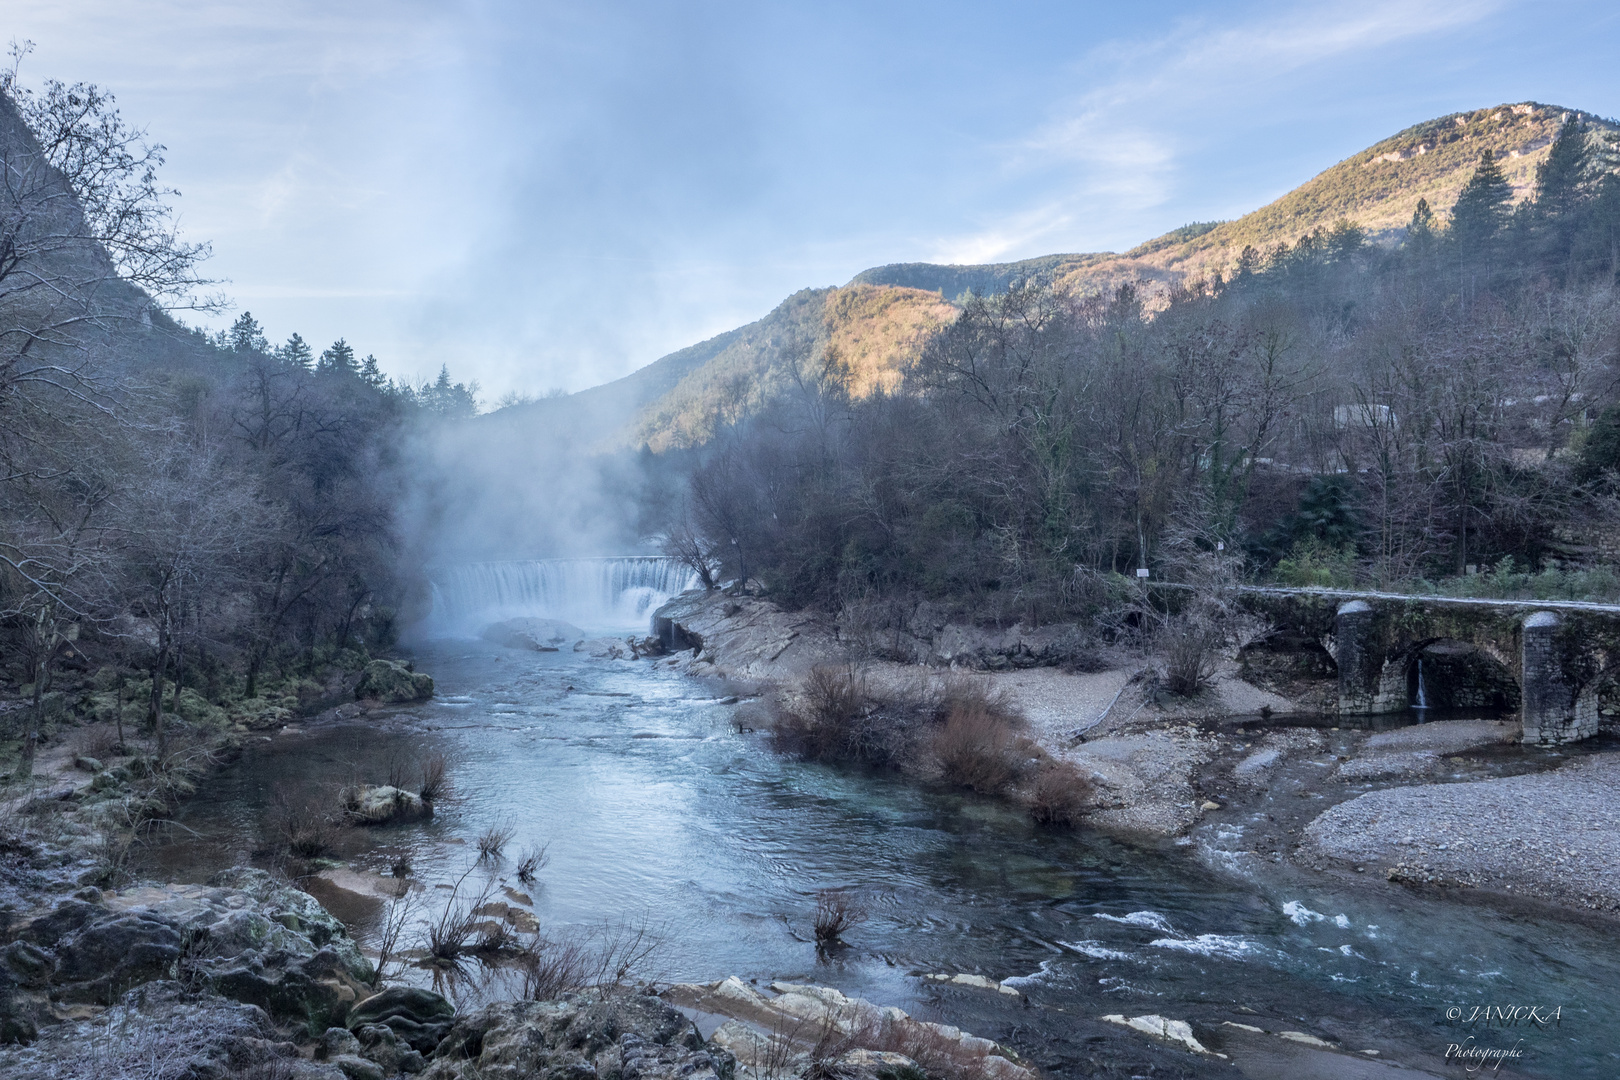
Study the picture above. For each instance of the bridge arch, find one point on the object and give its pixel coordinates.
(1545, 665)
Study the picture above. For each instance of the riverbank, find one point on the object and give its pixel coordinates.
(244, 973)
(1405, 805)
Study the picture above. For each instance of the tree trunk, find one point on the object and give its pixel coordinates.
(35, 721)
(155, 706)
(251, 690)
(118, 717)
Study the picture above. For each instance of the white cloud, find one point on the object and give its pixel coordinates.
(1121, 143)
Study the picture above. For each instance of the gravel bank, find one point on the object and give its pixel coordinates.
(1552, 836)
(1418, 751)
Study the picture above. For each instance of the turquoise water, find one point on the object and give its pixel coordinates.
(655, 812)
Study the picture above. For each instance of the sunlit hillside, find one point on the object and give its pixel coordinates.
(878, 319)
(1377, 189)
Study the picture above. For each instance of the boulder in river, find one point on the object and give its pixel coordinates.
(379, 804)
(540, 635)
(391, 682)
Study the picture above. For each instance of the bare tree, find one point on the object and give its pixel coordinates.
(185, 527)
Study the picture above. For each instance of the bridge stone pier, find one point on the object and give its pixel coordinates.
(1549, 664)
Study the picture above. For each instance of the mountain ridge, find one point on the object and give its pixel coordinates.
(682, 398)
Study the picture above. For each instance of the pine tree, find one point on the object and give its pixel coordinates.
(1422, 222)
(450, 400)
(1420, 231)
(1563, 196)
(338, 359)
(1561, 178)
(246, 335)
(1248, 262)
(1482, 208)
(297, 352)
(371, 374)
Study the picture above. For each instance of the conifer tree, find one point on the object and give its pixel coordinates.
(1482, 208)
(246, 335)
(1563, 196)
(371, 374)
(1422, 221)
(1561, 178)
(297, 352)
(337, 360)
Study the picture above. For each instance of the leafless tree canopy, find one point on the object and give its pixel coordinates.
(1332, 411)
(210, 509)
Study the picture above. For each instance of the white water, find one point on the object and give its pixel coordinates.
(604, 595)
(1422, 691)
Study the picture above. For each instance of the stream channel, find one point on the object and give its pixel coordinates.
(655, 811)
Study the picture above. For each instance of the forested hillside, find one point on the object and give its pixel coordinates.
(676, 401)
(1335, 411)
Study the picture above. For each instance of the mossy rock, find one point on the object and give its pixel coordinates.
(391, 682)
(198, 710)
(259, 713)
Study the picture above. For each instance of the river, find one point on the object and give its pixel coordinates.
(656, 811)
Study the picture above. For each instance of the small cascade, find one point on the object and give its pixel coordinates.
(608, 595)
(1422, 701)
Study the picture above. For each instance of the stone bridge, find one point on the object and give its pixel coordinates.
(1552, 662)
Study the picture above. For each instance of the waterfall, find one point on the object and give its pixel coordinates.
(1422, 701)
(609, 595)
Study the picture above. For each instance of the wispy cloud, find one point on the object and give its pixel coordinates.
(1121, 143)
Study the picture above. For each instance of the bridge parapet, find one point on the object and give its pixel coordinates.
(1554, 663)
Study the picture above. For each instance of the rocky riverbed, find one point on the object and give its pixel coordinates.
(1407, 804)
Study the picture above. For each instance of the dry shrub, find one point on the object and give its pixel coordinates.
(493, 840)
(823, 724)
(978, 746)
(395, 919)
(554, 968)
(1190, 644)
(303, 823)
(533, 861)
(614, 954)
(451, 935)
(1060, 795)
(435, 779)
(936, 1053)
(399, 769)
(99, 741)
(836, 911)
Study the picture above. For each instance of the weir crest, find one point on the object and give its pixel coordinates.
(615, 594)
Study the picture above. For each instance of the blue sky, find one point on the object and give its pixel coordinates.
(545, 195)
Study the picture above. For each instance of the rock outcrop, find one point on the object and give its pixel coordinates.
(608, 1034)
(162, 1029)
(393, 683)
(241, 937)
(539, 635)
(743, 637)
(815, 1030)
(419, 1018)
